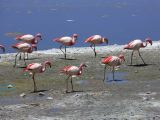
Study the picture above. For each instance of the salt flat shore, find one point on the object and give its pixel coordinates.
(134, 96)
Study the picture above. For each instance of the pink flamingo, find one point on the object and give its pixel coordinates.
(112, 61)
(94, 40)
(135, 45)
(66, 41)
(72, 71)
(22, 48)
(28, 38)
(34, 68)
(31, 39)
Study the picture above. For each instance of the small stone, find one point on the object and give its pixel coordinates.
(136, 71)
(10, 86)
(153, 98)
(35, 104)
(148, 93)
(41, 93)
(49, 98)
(22, 95)
(145, 99)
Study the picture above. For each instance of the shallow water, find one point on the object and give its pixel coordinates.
(29, 98)
(118, 20)
(119, 78)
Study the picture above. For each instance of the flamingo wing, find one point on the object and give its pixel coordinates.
(107, 60)
(34, 67)
(65, 69)
(25, 37)
(21, 45)
(89, 39)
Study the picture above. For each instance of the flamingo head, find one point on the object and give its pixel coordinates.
(75, 35)
(39, 35)
(121, 56)
(48, 63)
(83, 65)
(105, 40)
(148, 40)
(3, 48)
(34, 46)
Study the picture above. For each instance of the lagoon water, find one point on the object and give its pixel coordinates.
(118, 20)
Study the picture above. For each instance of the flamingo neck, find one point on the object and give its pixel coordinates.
(144, 44)
(74, 39)
(43, 67)
(80, 69)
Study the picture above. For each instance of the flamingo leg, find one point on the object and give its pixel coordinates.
(67, 84)
(24, 59)
(65, 53)
(72, 84)
(113, 73)
(20, 57)
(35, 87)
(104, 73)
(15, 62)
(141, 58)
(27, 56)
(132, 57)
(61, 49)
(93, 49)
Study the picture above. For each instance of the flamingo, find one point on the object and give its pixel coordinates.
(34, 68)
(136, 44)
(66, 41)
(28, 38)
(22, 48)
(31, 39)
(72, 71)
(94, 40)
(112, 61)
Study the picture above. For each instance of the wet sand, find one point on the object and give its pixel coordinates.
(135, 94)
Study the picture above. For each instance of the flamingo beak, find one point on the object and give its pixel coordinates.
(150, 42)
(85, 65)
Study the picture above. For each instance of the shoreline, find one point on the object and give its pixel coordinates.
(88, 50)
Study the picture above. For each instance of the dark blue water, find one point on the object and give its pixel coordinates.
(118, 20)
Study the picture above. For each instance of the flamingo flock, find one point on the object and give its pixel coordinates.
(27, 43)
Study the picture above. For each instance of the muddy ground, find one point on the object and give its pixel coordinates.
(135, 95)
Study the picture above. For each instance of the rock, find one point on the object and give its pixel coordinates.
(41, 94)
(10, 86)
(49, 98)
(136, 71)
(22, 95)
(145, 99)
(148, 92)
(35, 104)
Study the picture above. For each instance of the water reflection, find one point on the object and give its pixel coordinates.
(119, 78)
